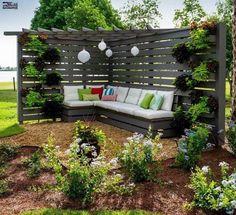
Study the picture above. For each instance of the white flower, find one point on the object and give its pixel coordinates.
(186, 157)
(67, 151)
(223, 163)
(225, 183)
(114, 161)
(84, 145)
(218, 188)
(78, 140)
(205, 169)
(148, 143)
(94, 154)
(159, 146)
(57, 147)
(233, 203)
(96, 164)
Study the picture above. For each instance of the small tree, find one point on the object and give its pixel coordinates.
(139, 15)
(192, 11)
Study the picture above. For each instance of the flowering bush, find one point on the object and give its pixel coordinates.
(191, 145)
(211, 194)
(231, 136)
(139, 152)
(81, 179)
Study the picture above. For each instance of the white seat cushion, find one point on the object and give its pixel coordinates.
(71, 92)
(152, 114)
(168, 99)
(77, 103)
(133, 96)
(122, 93)
(126, 108)
(143, 93)
(110, 105)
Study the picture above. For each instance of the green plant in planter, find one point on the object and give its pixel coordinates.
(185, 82)
(34, 99)
(36, 45)
(199, 40)
(201, 72)
(198, 109)
(31, 70)
(51, 55)
(181, 53)
(53, 79)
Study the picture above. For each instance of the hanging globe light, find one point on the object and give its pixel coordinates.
(102, 45)
(135, 51)
(109, 53)
(84, 56)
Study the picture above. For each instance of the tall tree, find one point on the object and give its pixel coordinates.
(192, 11)
(233, 116)
(51, 13)
(141, 14)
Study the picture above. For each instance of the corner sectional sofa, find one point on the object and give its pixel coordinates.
(124, 113)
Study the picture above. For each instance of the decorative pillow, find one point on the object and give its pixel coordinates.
(91, 97)
(133, 96)
(114, 88)
(146, 100)
(168, 99)
(156, 102)
(71, 92)
(144, 93)
(109, 98)
(122, 93)
(108, 92)
(83, 91)
(98, 91)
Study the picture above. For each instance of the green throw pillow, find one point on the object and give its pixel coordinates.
(83, 91)
(91, 97)
(146, 100)
(156, 102)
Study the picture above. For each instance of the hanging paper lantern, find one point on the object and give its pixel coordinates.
(102, 45)
(84, 56)
(108, 52)
(135, 51)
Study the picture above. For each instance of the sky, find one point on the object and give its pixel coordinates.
(15, 20)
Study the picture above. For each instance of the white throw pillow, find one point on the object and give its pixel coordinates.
(168, 99)
(122, 93)
(94, 86)
(133, 96)
(114, 88)
(144, 93)
(71, 92)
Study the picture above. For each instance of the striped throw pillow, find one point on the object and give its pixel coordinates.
(108, 92)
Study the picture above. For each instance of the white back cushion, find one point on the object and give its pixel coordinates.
(133, 96)
(122, 93)
(143, 93)
(71, 92)
(168, 99)
(114, 88)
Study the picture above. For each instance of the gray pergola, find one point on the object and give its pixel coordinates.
(153, 68)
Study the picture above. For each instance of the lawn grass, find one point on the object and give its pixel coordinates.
(8, 114)
(50, 211)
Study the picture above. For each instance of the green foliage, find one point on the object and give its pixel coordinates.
(141, 14)
(51, 55)
(33, 165)
(36, 45)
(7, 151)
(34, 99)
(198, 109)
(181, 53)
(231, 136)
(138, 154)
(80, 180)
(201, 73)
(192, 11)
(4, 187)
(191, 145)
(185, 82)
(31, 70)
(211, 194)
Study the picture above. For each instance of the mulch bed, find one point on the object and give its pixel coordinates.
(167, 198)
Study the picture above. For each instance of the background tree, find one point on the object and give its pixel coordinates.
(192, 11)
(51, 13)
(233, 116)
(141, 14)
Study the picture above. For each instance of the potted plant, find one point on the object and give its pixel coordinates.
(201, 73)
(39, 64)
(53, 79)
(51, 55)
(34, 99)
(36, 45)
(185, 82)
(181, 53)
(24, 38)
(30, 70)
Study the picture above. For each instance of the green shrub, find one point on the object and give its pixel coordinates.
(138, 154)
(201, 73)
(33, 165)
(191, 146)
(36, 45)
(231, 136)
(7, 151)
(81, 180)
(4, 187)
(34, 99)
(211, 194)
(199, 40)
(31, 70)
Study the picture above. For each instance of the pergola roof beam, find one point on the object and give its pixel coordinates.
(84, 29)
(57, 30)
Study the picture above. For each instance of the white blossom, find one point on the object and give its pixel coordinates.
(205, 169)
(223, 163)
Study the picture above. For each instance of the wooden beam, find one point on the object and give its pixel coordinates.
(84, 29)
(43, 30)
(72, 30)
(100, 29)
(57, 30)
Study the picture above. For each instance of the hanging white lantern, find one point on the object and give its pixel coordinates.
(109, 53)
(135, 51)
(102, 45)
(84, 56)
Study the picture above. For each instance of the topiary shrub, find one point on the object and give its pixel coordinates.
(51, 55)
(181, 53)
(53, 79)
(185, 82)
